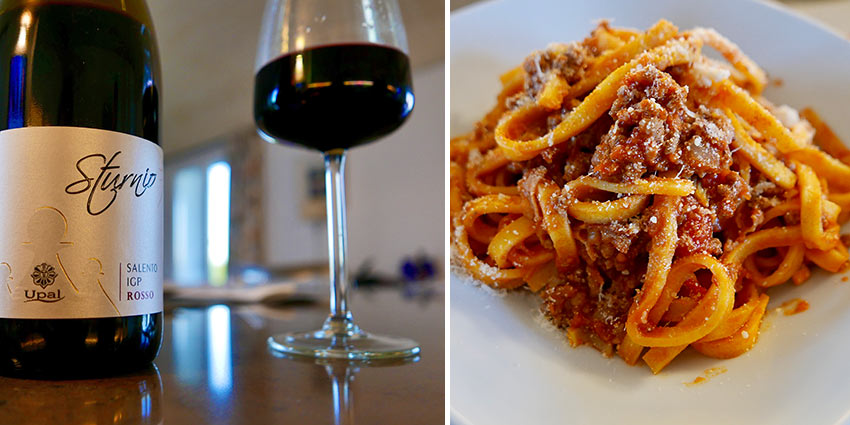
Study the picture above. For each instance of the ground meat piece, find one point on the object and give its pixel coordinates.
(647, 126)
(567, 161)
(696, 224)
(655, 131)
(706, 149)
(749, 218)
(612, 246)
(561, 303)
(606, 240)
(552, 160)
(766, 192)
(577, 166)
(570, 61)
(567, 61)
(603, 313)
(726, 192)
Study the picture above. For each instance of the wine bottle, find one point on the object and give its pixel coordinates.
(81, 188)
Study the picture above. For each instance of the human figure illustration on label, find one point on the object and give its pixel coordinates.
(92, 274)
(47, 229)
(6, 275)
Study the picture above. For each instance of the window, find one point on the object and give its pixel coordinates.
(218, 221)
(197, 217)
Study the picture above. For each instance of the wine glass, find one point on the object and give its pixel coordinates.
(331, 75)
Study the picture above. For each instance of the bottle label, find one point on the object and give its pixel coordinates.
(80, 224)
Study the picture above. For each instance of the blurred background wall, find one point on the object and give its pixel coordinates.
(235, 199)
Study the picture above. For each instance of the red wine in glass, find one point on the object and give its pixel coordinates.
(331, 75)
(335, 96)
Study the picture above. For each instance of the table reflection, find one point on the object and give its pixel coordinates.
(133, 399)
(219, 350)
(341, 374)
(215, 368)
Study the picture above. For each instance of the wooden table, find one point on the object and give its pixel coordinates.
(214, 368)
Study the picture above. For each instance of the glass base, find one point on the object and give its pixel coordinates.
(348, 343)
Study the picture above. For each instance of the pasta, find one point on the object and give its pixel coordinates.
(647, 193)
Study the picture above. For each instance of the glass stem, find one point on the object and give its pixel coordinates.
(339, 321)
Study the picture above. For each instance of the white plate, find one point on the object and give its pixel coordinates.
(507, 369)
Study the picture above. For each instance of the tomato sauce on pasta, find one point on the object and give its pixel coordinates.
(649, 194)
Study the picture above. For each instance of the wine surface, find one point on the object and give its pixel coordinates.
(71, 65)
(335, 96)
